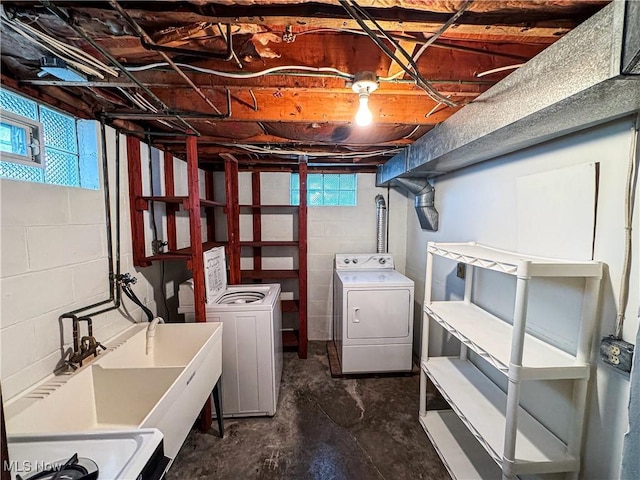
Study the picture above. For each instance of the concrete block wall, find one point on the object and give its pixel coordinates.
(53, 254)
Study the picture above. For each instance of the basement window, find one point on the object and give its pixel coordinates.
(326, 189)
(43, 145)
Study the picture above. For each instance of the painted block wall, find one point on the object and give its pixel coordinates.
(480, 204)
(330, 230)
(53, 253)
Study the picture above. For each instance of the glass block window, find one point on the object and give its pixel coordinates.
(70, 146)
(326, 189)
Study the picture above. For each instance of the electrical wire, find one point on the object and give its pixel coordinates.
(357, 13)
(69, 53)
(499, 69)
(623, 297)
(261, 73)
(277, 151)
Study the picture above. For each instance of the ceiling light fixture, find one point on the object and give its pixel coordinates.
(364, 83)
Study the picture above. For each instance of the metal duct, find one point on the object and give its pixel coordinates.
(588, 77)
(424, 202)
(381, 225)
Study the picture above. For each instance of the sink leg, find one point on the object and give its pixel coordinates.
(217, 397)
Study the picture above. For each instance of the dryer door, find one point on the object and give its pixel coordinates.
(378, 313)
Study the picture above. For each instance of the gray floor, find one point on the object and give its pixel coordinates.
(325, 428)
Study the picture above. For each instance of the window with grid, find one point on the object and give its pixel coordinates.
(326, 189)
(70, 145)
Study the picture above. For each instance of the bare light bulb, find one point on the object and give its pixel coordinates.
(364, 116)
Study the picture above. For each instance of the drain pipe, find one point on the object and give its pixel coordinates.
(381, 225)
(424, 202)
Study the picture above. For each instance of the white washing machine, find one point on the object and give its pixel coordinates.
(251, 337)
(372, 314)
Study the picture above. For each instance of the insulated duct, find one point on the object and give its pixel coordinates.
(588, 77)
(381, 225)
(424, 202)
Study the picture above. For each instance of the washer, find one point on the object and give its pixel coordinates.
(372, 314)
(251, 337)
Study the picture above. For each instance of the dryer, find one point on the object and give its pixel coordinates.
(372, 314)
(251, 337)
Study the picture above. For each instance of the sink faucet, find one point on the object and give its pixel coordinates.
(83, 347)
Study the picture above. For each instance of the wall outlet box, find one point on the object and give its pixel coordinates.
(461, 270)
(617, 353)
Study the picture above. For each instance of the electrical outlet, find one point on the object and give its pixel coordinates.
(461, 270)
(617, 353)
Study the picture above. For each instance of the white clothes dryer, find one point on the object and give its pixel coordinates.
(251, 337)
(372, 314)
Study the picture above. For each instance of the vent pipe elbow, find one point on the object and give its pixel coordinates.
(381, 225)
(424, 201)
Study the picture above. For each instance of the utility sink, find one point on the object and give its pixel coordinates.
(130, 386)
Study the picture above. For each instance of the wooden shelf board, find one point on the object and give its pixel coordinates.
(481, 405)
(290, 306)
(510, 262)
(270, 243)
(490, 338)
(179, 200)
(460, 452)
(269, 274)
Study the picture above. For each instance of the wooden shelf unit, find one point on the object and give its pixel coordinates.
(293, 339)
(493, 435)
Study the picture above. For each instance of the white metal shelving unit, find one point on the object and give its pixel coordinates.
(488, 434)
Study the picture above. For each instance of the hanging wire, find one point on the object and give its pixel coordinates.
(357, 13)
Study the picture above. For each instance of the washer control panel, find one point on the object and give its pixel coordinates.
(364, 261)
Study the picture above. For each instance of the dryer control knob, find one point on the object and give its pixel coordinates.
(346, 260)
(382, 260)
(355, 260)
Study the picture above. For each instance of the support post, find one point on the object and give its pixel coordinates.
(302, 259)
(134, 167)
(169, 188)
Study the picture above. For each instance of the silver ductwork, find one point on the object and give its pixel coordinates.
(381, 225)
(424, 201)
(588, 77)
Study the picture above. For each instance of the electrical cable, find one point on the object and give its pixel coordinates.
(261, 73)
(277, 151)
(499, 69)
(623, 297)
(355, 12)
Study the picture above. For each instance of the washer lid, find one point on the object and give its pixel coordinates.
(215, 273)
(374, 279)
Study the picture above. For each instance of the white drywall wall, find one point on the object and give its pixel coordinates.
(480, 204)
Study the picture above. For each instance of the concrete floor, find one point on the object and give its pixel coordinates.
(324, 428)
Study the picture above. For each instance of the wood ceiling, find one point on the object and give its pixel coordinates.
(274, 117)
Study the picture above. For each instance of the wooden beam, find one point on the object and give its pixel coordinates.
(257, 220)
(412, 21)
(233, 217)
(210, 213)
(134, 167)
(195, 230)
(169, 188)
(312, 107)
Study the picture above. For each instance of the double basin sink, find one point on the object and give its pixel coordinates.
(161, 382)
